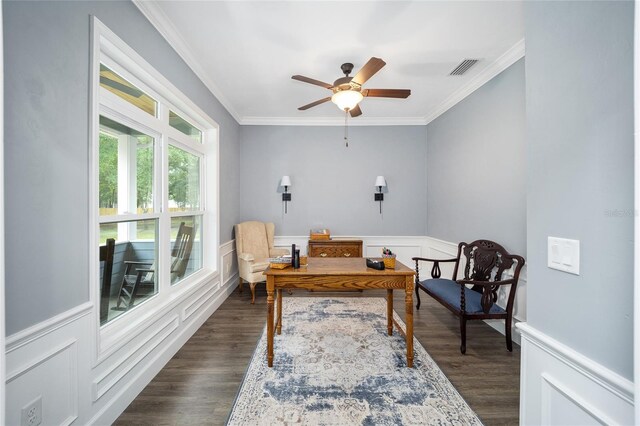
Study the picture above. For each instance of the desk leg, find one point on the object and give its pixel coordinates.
(279, 322)
(270, 286)
(408, 300)
(390, 311)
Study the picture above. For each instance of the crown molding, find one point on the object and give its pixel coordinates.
(503, 62)
(332, 121)
(164, 26)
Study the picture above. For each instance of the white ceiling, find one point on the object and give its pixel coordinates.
(247, 51)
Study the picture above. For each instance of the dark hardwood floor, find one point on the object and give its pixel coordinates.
(199, 385)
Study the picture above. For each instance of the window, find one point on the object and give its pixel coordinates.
(184, 126)
(154, 160)
(119, 86)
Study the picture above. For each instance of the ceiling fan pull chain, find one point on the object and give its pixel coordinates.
(346, 128)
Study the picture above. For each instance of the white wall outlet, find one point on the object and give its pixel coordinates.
(32, 413)
(564, 255)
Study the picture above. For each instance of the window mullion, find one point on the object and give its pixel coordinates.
(165, 219)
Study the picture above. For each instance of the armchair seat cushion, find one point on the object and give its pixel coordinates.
(449, 291)
(259, 265)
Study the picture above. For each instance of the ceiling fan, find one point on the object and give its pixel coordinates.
(348, 91)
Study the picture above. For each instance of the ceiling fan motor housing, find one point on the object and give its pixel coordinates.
(346, 68)
(343, 83)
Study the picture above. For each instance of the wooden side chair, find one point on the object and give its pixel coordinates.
(106, 256)
(485, 263)
(144, 274)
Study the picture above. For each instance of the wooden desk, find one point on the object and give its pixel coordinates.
(340, 273)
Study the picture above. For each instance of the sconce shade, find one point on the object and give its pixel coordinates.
(285, 181)
(346, 99)
(380, 181)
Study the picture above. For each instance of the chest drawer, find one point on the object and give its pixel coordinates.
(335, 248)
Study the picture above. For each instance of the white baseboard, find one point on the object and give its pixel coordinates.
(561, 386)
(56, 359)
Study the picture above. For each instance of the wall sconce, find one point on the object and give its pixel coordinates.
(379, 196)
(286, 182)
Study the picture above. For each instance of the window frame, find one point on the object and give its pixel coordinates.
(109, 49)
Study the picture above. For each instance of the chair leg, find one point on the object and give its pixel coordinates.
(463, 335)
(507, 333)
(417, 296)
(240, 284)
(253, 292)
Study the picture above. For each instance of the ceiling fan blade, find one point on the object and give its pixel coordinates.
(311, 81)
(312, 104)
(370, 68)
(355, 111)
(386, 93)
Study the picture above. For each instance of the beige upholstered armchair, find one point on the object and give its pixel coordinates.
(254, 246)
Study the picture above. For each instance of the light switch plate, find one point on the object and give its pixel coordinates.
(564, 255)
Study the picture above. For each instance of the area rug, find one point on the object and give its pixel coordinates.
(334, 364)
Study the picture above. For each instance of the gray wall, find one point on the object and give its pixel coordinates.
(46, 47)
(333, 186)
(476, 177)
(580, 166)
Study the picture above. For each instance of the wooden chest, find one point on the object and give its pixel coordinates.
(335, 248)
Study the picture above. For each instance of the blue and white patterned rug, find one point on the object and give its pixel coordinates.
(334, 364)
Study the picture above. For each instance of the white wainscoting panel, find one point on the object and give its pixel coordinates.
(58, 359)
(51, 375)
(560, 386)
(229, 263)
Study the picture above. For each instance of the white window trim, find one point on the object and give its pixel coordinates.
(111, 50)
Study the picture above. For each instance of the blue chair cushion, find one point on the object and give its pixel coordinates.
(449, 291)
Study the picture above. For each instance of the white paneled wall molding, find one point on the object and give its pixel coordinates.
(57, 360)
(407, 247)
(561, 386)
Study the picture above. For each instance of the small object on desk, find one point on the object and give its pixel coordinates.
(303, 260)
(375, 264)
(293, 254)
(296, 259)
(279, 265)
(281, 259)
(389, 258)
(280, 262)
(319, 234)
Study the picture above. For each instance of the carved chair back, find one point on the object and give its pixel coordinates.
(486, 261)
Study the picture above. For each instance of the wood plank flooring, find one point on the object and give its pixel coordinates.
(198, 386)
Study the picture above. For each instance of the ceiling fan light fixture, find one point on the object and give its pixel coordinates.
(346, 100)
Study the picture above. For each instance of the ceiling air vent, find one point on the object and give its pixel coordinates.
(463, 66)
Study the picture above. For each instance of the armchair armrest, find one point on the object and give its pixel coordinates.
(247, 257)
(433, 260)
(142, 277)
(275, 252)
(435, 270)
(130, 263)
